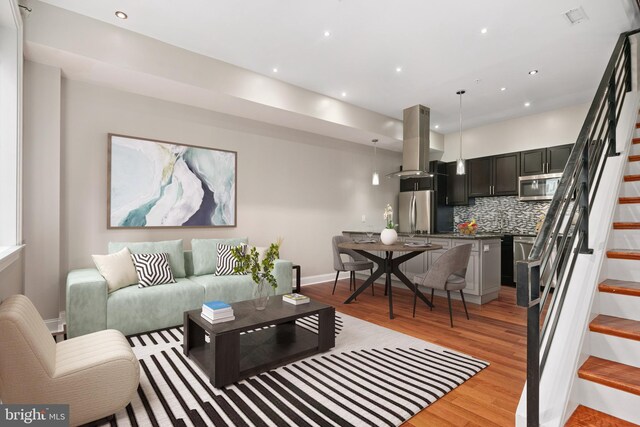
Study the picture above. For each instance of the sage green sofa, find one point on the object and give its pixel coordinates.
(132, 310)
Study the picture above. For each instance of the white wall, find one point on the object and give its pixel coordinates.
(302, 187)
(41, 182)
(555, 127)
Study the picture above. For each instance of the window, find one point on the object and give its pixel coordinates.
(10, 127)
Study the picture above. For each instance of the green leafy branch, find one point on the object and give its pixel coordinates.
(249, 262)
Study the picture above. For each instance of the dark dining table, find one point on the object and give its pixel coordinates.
(388, 266)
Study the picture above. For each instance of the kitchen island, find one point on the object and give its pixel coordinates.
(483, 273)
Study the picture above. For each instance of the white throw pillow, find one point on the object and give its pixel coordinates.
(262, 251)
(117, 269)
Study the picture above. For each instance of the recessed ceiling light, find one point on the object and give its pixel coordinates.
(502, 89)
(483, 31)
(398, 69)
(527, 104)
(120, 14)
(275, 70)
(344, 94)
(436, 126)
(327, 33)
(533, 72)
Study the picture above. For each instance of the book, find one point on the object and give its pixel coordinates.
(216, 305)
(220, 320)
(218, 315)
(296, 299)
(217, 309)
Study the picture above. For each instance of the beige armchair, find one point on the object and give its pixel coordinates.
(97, 375)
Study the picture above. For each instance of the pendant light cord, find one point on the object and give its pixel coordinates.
(461, 92)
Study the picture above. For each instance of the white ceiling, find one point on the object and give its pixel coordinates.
(438, 44)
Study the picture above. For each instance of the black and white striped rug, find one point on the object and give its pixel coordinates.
(373, 377)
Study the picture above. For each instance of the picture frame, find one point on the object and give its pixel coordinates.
(161, 184)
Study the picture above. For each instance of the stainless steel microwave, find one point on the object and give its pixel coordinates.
(538, 187)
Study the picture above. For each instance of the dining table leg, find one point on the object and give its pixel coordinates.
(369, 282)
(388, 269)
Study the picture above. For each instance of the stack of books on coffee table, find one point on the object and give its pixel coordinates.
(217, 312)
(295, 299)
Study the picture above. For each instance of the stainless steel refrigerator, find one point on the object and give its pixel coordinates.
(415, 211)
(425, 209)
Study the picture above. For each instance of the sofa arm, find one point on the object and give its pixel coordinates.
(282, 270)
(86, 302)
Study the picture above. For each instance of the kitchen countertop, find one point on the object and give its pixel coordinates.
(478, 236)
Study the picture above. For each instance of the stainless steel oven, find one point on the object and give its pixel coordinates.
(522, 246)
(538, 187)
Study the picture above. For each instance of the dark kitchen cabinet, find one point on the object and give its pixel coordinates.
(506, 170)
(533, 162)
(416, 184)
(494, 176)
(557, 158)
(457, 193)
(544, 160)
(479, 171)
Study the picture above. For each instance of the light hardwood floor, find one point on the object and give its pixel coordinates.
(496, 333)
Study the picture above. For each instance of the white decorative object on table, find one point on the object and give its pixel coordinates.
(389, 236)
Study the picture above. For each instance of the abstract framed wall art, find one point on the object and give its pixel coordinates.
(164, 184)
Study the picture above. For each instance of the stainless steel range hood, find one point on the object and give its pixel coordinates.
(415, 143)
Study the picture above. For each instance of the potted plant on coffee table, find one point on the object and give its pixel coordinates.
(261, 270)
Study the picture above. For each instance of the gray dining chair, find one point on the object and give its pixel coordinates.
(448, 274)
(356, 262)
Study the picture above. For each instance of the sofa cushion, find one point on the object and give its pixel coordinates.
(117, 269)
(152, 269)
(227, 263)
(205, 253)
(172, 247)
(226, 288)
(133, 310)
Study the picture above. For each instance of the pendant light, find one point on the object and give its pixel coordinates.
(375, 180)
(460, 166)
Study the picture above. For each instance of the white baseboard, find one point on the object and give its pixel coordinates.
(330, 277)
(322, 278)
(56, 325)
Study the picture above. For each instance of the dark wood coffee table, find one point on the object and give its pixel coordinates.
(231, 355)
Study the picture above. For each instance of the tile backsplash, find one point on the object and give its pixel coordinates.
(502, 214)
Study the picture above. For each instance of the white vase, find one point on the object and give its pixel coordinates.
(389, 236)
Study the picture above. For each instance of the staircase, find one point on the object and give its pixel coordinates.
(608, 388)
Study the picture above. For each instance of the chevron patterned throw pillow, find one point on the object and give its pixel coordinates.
(152, 269)
(226, 261)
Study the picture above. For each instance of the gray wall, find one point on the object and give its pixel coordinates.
(12, 278)
(41, 187)
(299, 186)
(555, 127)
(291, 184)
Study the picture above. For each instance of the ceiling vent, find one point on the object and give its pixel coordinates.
(576, 16)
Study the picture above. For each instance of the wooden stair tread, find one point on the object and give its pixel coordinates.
(611, 374)
(636, 140)
(616, 326)
(630, 178)
(630, 254)
(621, 287)
(637, 125)
(634, 158)
(584, 416)
(626, 225)
(628, 200)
